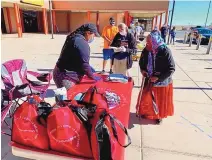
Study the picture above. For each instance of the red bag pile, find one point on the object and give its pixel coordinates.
(26, 129)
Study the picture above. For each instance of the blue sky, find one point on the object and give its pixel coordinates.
(191, 12)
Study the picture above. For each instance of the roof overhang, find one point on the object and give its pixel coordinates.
(142, 5)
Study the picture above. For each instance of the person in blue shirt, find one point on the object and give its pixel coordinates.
(73, 62)
(173, 34)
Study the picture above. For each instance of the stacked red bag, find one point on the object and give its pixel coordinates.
(67, 133)
(97, 137)
(26, 129)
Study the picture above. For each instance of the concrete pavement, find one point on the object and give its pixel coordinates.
(187, 135)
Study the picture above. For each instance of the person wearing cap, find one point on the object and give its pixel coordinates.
(108, 34)
(73, 62)
(125, 46)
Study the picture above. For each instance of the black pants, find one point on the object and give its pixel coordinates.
(172, 40)
(164, 38)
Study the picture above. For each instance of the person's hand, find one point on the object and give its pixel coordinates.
(144, 73)
(96, 78)
(153, 79)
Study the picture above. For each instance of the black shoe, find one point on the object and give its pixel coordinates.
(111, 72)
(158, 121)
(102, 72)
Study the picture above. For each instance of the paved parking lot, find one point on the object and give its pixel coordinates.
(186, 136)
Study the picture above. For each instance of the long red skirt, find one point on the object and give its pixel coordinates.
(163, 98)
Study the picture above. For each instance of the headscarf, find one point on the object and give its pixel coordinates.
(156, 41)
(81, 30)
(86, 27)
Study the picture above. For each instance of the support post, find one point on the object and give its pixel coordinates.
(156, 21)
(199, 42)
(166, 18)
(51, 18)
(209, 45)
(45, 27)
(97, 20)
(9, 19)
(18, 20)
(160, 25)
(153, 19)
(22, 20)
(190, 39)
(185, 38)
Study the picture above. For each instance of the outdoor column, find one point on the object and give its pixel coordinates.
(54, 21)
(18, 20)
(22, 19)
(45, 26)
(126, 17)
(153, 22)
(156, 21)
(68, 21)
(160, 21)
(97, 20)
(9, 19)
(166, 18)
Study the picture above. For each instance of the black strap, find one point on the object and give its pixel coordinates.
(113, 119)
(46, 109)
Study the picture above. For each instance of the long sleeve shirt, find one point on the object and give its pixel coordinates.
(74, 58)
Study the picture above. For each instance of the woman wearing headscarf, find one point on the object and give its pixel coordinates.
(157, 66)
(73, 62)
(126, 47)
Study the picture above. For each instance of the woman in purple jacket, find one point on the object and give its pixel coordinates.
(73, 62)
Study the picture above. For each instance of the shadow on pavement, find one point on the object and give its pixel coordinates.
(193, 88)
(97, 53)
(45, 70)
(202, 59)
(179, 41)
(135, 120)
(208, 68)
(96, 57)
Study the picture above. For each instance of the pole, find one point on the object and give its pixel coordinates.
(199, 41)
(51, 19)
(191, 39)
(171, 20)
(185, 38)
(209, 45)
(207, 13)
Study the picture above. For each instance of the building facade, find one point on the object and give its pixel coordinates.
(22, 16)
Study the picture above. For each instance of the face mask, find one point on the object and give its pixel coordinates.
(112, 23)
(123, 33)
(91, 39)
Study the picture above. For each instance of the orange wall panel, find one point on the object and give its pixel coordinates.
(77, 19)
(61, 21)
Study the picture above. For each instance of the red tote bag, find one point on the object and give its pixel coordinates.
(67, 133)
(26, 129)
